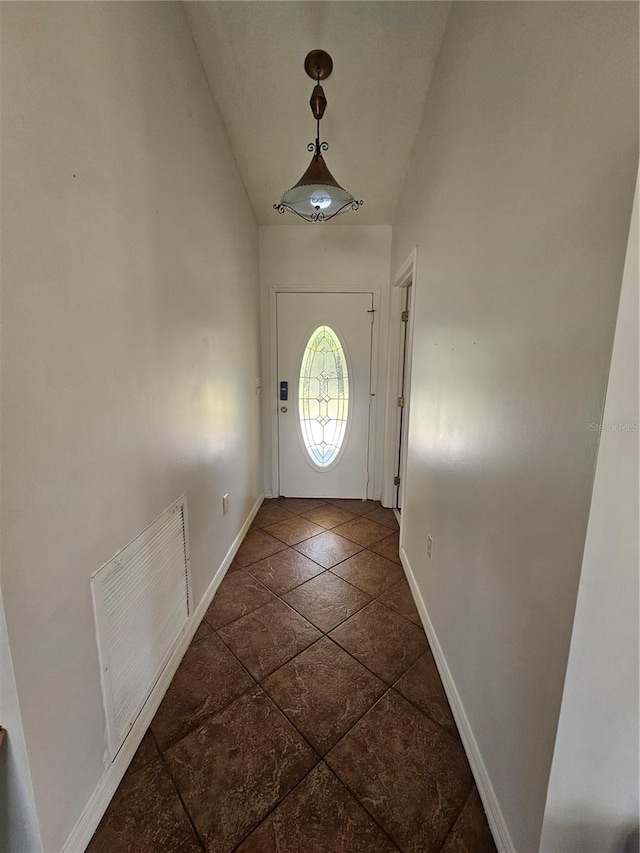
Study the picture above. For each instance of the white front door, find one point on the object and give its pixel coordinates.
(324, 393)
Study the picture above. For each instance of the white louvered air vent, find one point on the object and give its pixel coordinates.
(142, 601)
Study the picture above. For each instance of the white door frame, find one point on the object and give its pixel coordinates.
(273, 386)
(405, 276)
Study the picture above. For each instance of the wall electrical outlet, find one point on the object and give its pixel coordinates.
(225, 504)
(429, 546)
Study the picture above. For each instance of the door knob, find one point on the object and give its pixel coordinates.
(283, 409)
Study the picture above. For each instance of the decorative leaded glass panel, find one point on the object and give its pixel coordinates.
(323, 396)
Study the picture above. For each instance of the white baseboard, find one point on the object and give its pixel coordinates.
(487, 793)
(88, 821)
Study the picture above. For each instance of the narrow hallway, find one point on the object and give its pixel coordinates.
(308, 713)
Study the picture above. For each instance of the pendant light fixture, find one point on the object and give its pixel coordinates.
(317, 197)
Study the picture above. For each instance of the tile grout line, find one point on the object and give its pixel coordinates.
(339, 578)
(235, 699)
(231, 622)
(453, 825)
(346, 732)
(277, 805)
(362, 548)
(386, 683)
(165, 764)
(207, 717)
(321, 758)
(346, 784)
(424, 713)
(324, 569)
(377, 823)
(219, 711)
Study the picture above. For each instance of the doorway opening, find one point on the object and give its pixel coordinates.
(403, 395)
(399, 382)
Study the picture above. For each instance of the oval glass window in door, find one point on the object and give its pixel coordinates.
(323, 396)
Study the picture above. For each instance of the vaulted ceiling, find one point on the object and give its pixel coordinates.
(384, 54)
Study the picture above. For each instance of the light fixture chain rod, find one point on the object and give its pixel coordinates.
(318, 121)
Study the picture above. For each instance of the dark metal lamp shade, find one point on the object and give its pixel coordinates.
(317, 196)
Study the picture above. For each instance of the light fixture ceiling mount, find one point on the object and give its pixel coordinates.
(318, 64)
(317, 197)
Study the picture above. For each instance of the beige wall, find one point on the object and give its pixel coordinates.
(518, 199)
(335, 256)
(130, 345)
(592, 804)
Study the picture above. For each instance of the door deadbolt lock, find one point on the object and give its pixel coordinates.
(283, 409)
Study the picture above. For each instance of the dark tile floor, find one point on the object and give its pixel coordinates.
(308, 713)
